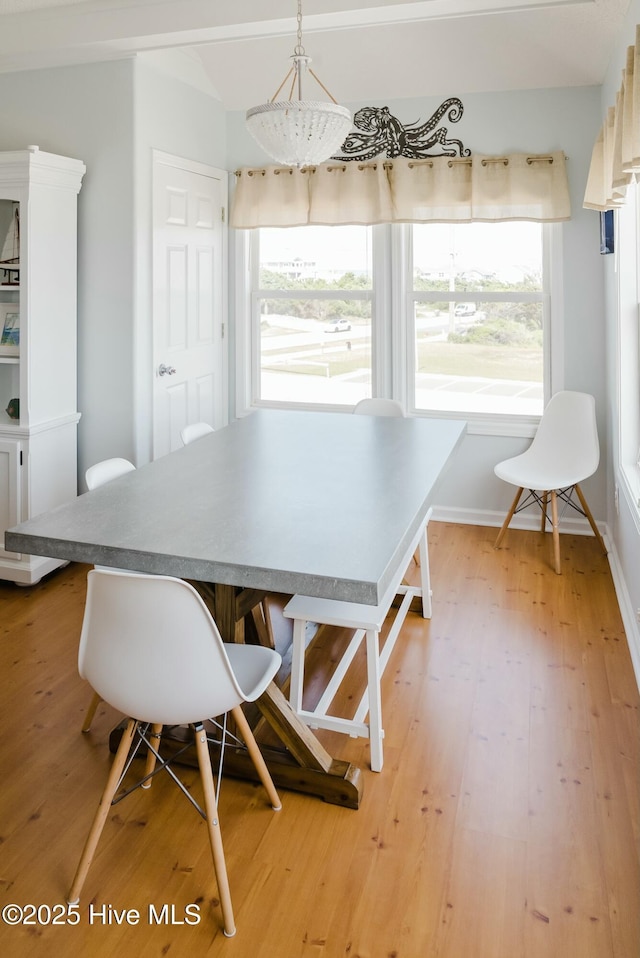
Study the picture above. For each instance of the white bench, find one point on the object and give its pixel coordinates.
(367, 622)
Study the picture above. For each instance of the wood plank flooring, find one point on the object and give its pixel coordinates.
(505, 823)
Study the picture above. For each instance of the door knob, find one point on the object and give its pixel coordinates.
(165, 370)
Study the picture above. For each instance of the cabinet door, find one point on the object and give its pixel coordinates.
(9, 490)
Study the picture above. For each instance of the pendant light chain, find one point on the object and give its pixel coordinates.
(299, 49)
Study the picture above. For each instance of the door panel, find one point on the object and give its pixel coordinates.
(189, 283)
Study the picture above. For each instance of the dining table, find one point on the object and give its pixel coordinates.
(323, 504)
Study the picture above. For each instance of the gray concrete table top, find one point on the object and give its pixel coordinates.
(320, 503)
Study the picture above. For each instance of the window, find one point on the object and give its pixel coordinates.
(479, 318)
(628, 259)
(449, 318)
(312, 306)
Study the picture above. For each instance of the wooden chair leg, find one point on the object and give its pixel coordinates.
(213, 826)
(592, 522)
(506, 522)
(155, 736)
(556, 532)
(103, 810)
(256, 757)
(91, 711)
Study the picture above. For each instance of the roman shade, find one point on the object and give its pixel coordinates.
(439, 189)
(615, 161)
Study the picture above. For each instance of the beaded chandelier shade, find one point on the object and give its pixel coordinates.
(299, 132)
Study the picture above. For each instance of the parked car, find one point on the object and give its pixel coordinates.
(338, 325)
(465, 309)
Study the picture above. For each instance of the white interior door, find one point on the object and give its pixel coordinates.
(189, 298)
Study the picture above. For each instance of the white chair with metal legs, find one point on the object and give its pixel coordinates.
(195, 430)
(379, 407)
(97, 475)
(105, 471)
(150, 648)
(564, 452)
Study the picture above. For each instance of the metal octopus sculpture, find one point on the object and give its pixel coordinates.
(379, 132)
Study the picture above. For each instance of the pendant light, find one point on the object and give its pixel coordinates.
(299, 132)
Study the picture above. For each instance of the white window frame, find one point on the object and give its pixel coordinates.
(627, 246)
(392, 319)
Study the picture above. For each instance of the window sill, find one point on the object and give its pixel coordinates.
(521, 427)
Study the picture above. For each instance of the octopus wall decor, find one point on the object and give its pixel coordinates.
(377, 132)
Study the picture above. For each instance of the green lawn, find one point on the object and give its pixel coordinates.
(490, 362)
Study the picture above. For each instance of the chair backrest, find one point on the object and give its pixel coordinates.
(150, 648)
(105, 471)
(379, 407)
(195, 430)
(567, 438)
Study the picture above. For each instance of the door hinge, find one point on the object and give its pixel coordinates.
(222, 331)
(224, 213)
(21, 457)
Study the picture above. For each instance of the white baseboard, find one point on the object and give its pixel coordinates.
(631, 625)
(573, 526)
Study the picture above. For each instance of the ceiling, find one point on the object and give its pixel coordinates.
(363, 50)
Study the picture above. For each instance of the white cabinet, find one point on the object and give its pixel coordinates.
(38, 364)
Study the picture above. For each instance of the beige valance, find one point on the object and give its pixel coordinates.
(615, 161)
(435, 190)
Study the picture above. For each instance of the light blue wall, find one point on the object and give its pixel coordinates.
(85, 112)
(111, 116)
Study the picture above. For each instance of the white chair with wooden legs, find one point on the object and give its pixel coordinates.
(564, 452)
(195, 430)
(150, 648)
(97, 475)
(106, 470)
(379, 407)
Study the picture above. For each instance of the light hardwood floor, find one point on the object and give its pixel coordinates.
(504, 824)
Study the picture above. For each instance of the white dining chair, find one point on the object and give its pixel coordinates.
(105, 471)
(97, 475)
(378, 407)
(564, 452)
(193, 431)
(151, 648)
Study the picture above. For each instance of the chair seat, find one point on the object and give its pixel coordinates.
(528, 472)
(254, 667)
